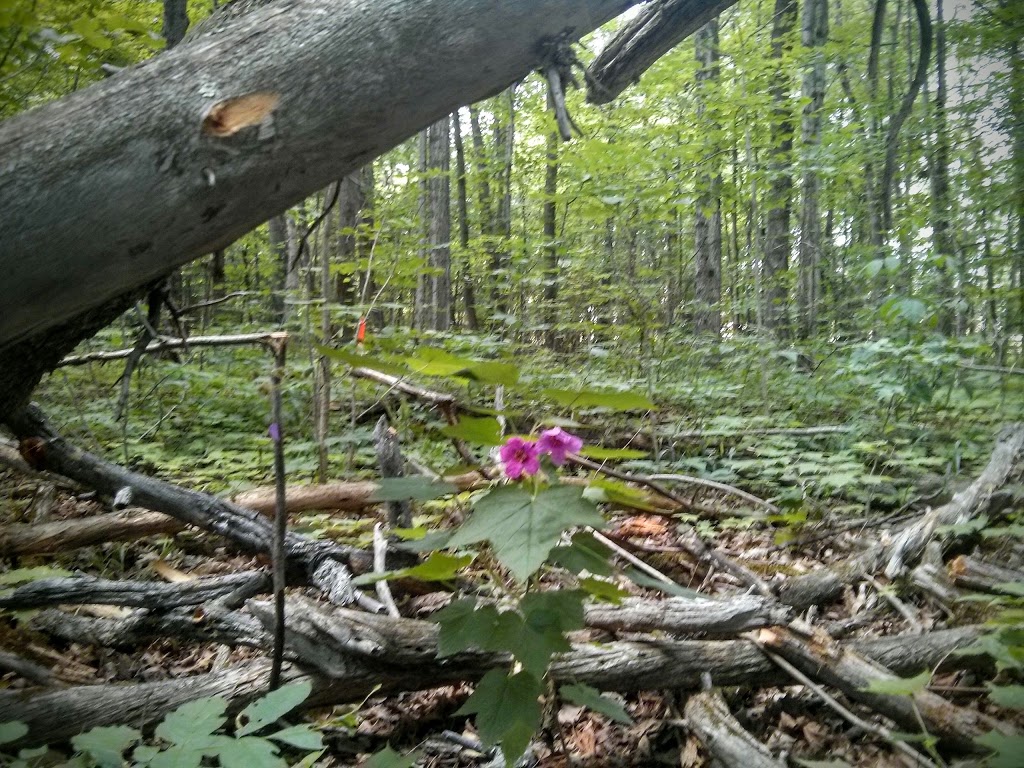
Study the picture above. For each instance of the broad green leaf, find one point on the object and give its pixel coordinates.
(602, 590)
(430, 361)
(616, 401)
(642, 579)
(616, 492)
(178, 757)
(309, 760)
(440, 566)
(1007, 749)
(388, 758)
(417, 488)
(584, 553)
(1010, 696)
(507, 710)
(106, 745)
(547, 616)
(144, 754)
(592, 699)
(560, 611)
(602, 454)
(352, 358)
(479, 431)
(299, 736)
(523, 528)
(191, 724)
(250, 752)
(492, 373)
(272, 707)
(485, 628)
(12, 731)
(901, 686)
(35, 573)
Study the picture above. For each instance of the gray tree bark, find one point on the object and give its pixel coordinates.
(707, 230)
(814, 34)
(777, 241)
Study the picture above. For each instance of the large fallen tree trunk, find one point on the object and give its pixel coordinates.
(108, 189)
(347, 663)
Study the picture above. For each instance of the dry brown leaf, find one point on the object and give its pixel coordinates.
(168, 572)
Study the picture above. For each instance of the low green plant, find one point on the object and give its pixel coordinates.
(188, 737)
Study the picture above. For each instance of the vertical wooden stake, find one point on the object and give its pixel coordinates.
(278, 344)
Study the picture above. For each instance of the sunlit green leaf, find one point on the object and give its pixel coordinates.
(522, 527)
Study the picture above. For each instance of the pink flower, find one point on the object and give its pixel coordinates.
(520, 457)
(558, 443)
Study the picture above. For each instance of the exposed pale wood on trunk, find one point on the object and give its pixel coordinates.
(972, 573)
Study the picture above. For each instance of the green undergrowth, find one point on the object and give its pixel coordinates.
(907, 409)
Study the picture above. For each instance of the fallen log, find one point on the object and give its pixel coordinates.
(971, 573)
(903, 549)
(822, 658)
(61, 536)
(356, 671)
(86, 590)
(327, 564)
(164, 343)
(709, 719)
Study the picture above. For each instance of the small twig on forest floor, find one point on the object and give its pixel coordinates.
(278, 345)
(724, 487)
(631, 558)
(902, 608)
(380, 554)
(879, 730)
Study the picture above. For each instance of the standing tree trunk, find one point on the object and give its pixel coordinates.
(437, 286)
(814, 34)
(707, 230)
(462, 215)
(775, 266)
(1015, 314)
(942, 201)
(551, 243)
(175, 21)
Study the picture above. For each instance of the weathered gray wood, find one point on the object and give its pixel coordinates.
(656, 30)
(353, 652)
(853, 673)
(134, 594)
(726, 616)
(709, 718)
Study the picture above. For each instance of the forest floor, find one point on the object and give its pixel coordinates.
(701, 539)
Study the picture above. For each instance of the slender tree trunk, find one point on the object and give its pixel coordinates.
(438, 288)
(462, 216)
(814, 34)
(942, 201)
(708, 213)
(775, 265)
(175, 21)
(551, 243)
(1015, 314)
